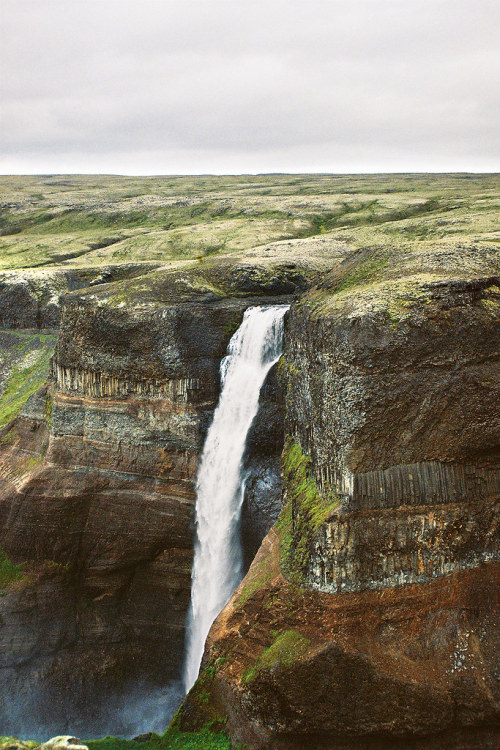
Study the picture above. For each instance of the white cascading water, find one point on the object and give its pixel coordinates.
(217, 567)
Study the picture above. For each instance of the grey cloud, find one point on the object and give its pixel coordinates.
(218, 85)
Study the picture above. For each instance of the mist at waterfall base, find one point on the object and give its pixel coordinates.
(33, 711)
(218, 559)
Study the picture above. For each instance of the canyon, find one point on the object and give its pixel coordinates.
(369, 613)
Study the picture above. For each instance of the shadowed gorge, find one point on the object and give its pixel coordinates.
(368, 475)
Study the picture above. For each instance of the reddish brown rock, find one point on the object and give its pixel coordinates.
(409, 667)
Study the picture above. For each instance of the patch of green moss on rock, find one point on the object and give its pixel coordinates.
(287, 648)
(22, 383)
(304, 511)
(200, 707)
(9, 574)
(261, 576)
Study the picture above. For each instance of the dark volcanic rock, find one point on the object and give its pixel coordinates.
(262, 502)
(31, 298)
(369, 618)
(410, 667)
(101, 513)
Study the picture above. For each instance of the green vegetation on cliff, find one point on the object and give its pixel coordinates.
(287, 648)
(26, 377)
(304, 511)
(9, 574)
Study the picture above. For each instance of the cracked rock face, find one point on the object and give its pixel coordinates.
(398, 415)
(31, 298)
(262, 501)
(368, 618)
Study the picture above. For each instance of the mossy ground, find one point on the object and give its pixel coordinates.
(96, 220)
(23, 382)
(173, 739)
(24, 366)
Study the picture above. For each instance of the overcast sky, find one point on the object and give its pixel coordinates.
(226, 86)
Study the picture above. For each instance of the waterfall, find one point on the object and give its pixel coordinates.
(217, 567)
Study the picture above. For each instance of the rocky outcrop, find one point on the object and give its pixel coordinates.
(407, 668)
(262, 499)
(101, 514)
(397, 418)
(64, 742)
(369, 616)
(31, 298)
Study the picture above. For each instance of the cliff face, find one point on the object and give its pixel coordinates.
(98, 491)
(31, 298)
(395, 408)
(369, 617)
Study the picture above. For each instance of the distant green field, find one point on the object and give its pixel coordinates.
(77, 220)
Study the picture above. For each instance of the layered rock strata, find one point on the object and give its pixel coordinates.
(370, 615)
(98, 490)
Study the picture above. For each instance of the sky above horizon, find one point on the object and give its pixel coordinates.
(223, 86)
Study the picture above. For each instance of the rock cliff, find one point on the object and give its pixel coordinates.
(98, 487)
(369, 617)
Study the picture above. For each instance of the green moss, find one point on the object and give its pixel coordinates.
(398, 308)
(305, 510)
(48, 410)
(25, 744)
(172, 739)
(7, 438)
(260, 577)
(491, 299)
(22, 383)
(201, 699)
(9, 574)
(214, 665)
(363, 273)
(287, 648)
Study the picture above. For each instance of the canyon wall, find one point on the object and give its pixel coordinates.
(369, 617)
(395, 406)
(98, 487)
